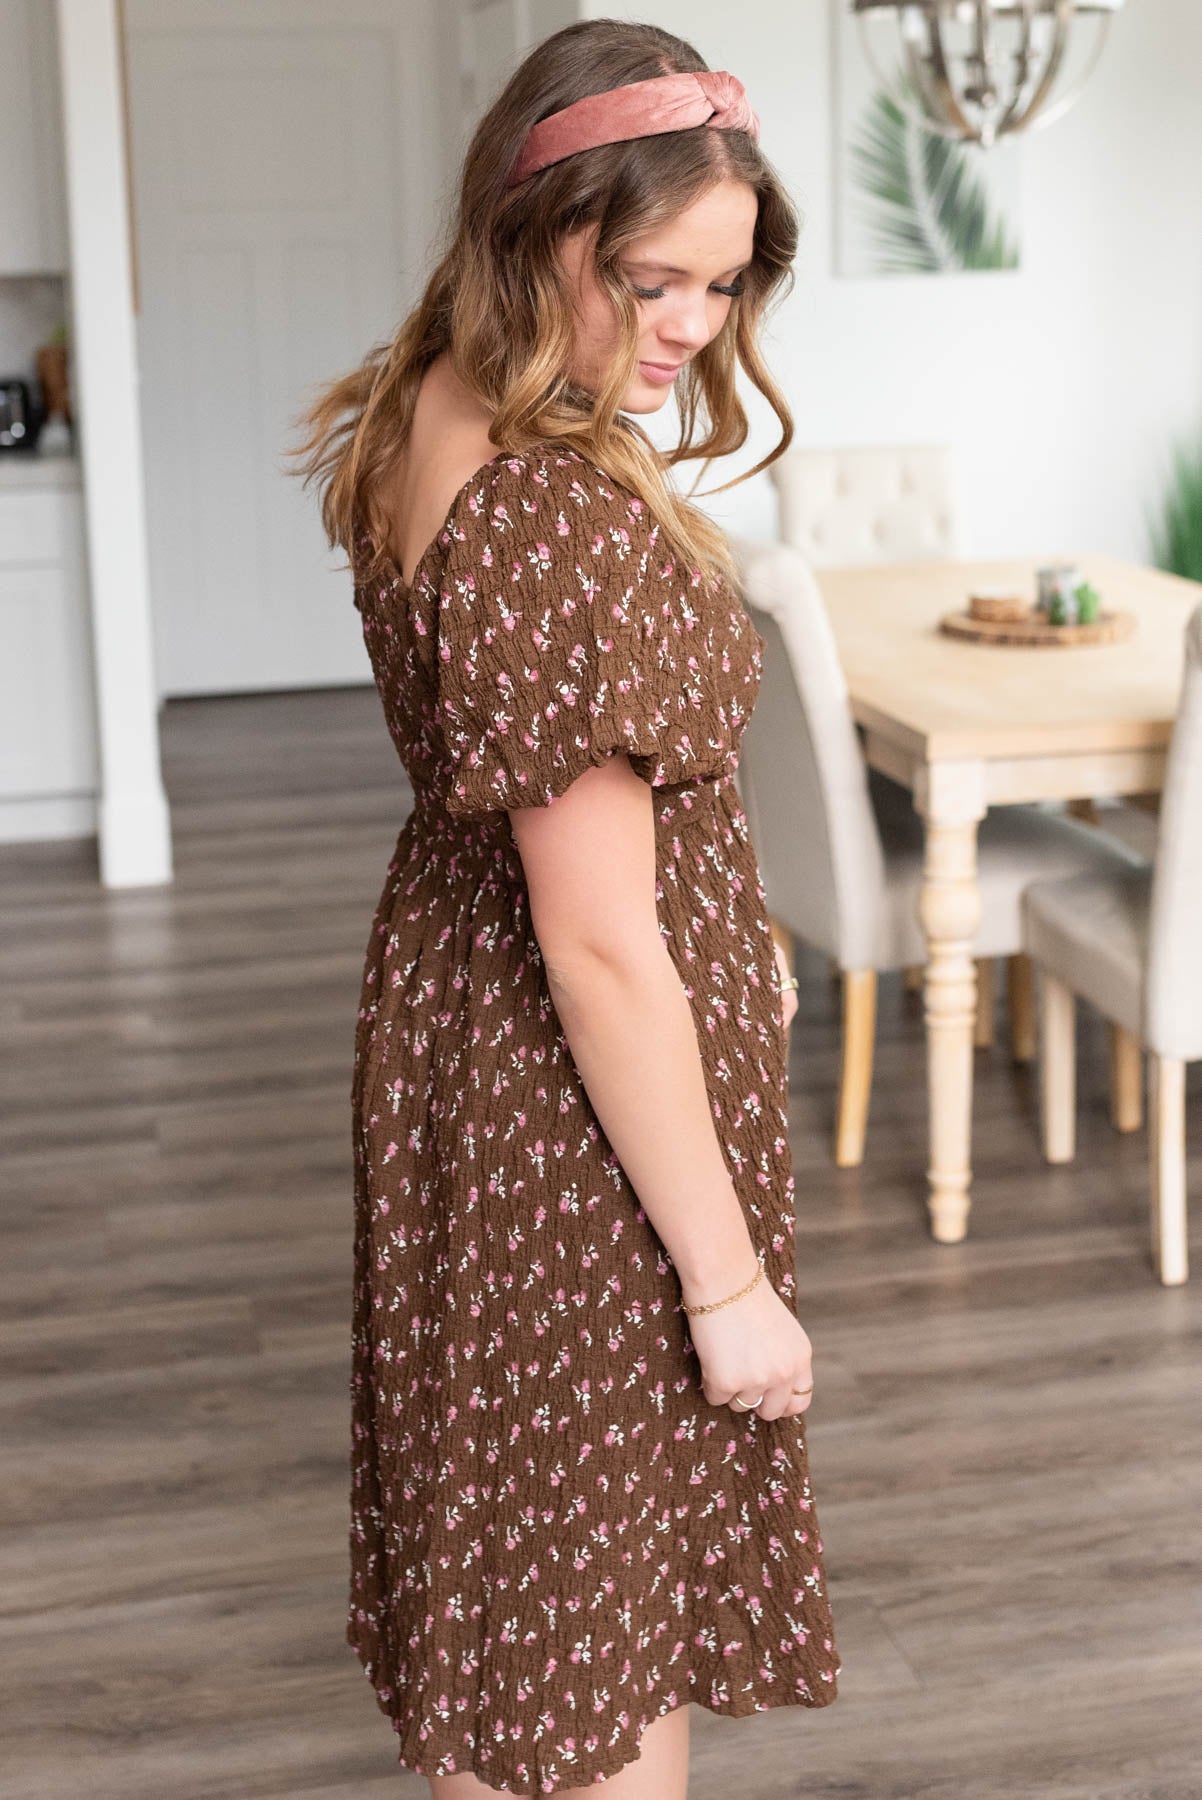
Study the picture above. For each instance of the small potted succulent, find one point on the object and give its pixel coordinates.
(1078, 605)
(1089, 603)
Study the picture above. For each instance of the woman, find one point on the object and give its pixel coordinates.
(580, 1497)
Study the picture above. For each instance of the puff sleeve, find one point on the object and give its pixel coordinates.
(566, 635)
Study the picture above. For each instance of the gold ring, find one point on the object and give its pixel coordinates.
(746, 1405)
(808, 1390)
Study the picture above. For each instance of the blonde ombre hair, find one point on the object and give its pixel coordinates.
(500, 307)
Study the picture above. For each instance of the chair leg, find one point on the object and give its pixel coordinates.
(855, 1082)
(1126, 1080)
(1058, 1074)
(1170, 1240)
(1020, 1004)
(982, 1035)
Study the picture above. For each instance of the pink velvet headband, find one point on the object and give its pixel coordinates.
(637, 109)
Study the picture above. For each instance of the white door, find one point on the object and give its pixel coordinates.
(33, 221)
(277, 153)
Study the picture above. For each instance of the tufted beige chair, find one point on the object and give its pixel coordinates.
(841, 857)
(882, 504)
(1127, 938)
(896, 503)
(879, 504)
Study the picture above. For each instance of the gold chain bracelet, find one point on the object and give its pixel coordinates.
(713, 1305)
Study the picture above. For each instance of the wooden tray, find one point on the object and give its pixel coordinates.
(1107, 628)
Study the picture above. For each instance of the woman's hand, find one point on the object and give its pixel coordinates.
(789, 997)
(753, 1346)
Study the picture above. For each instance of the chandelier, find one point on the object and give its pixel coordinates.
(984, 69)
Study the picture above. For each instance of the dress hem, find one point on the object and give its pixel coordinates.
(425, 1760)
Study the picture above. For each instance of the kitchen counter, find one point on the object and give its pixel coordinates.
(22, 473)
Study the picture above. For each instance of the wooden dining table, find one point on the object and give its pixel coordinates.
(967, 726)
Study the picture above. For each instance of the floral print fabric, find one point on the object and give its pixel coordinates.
(555, 1538)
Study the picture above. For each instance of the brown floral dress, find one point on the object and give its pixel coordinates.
(555, 1537)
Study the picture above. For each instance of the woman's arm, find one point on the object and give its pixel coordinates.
(589, 861)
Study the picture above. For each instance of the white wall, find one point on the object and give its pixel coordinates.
(1058, 385)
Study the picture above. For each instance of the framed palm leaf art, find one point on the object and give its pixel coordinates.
(908, 201)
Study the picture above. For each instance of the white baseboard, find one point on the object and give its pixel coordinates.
(44, 817)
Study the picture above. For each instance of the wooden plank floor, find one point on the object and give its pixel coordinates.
(1006, 1437)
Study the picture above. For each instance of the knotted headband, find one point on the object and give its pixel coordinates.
(637, 109)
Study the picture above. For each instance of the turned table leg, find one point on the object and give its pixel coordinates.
(951, 798)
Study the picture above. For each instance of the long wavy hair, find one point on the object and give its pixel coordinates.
(500, 306)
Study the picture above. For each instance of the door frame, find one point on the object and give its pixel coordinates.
(133, 818)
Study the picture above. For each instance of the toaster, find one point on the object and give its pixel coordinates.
(20, 420)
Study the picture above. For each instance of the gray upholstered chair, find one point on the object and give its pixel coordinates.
(1128, 938)
(841, 854)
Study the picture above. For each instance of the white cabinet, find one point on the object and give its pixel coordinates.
(33, 231)
(48, 760)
